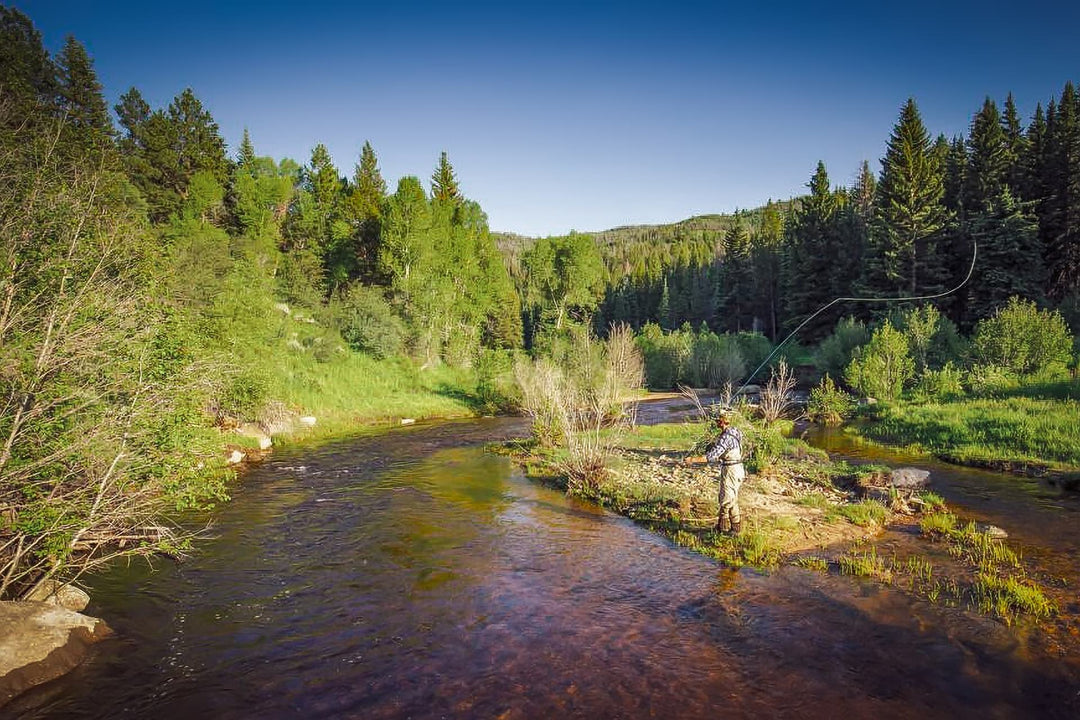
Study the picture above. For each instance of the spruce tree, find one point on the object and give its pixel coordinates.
(1009, 260)
(1060, 216)
(245, 156)
(366, 197)
(1016, 144)
(988, 159)
(27, 75)
(810, 263)
(444, 184)
(902, 257)
(81, 97)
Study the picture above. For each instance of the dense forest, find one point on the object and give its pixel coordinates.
(155, 287)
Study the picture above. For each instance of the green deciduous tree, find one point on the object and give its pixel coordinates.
(880, 368)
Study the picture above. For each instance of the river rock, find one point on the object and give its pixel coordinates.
(307, 421)
(255, 433)
(235, 457)
(992, 530)
(40, 642)
(909, 478)
(68, 597)
(408, 421)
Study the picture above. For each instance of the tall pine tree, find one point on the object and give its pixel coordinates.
(902, 256)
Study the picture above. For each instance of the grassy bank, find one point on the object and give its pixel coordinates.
(1029, 430)
(803, 509)
(355, 391)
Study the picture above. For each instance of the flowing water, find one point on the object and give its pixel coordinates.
(413, 575)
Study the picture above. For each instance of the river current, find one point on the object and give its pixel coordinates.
(413, 575)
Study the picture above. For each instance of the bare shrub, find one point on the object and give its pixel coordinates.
(580, 404)
(776, 396)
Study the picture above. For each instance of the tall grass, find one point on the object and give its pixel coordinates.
(987, 430)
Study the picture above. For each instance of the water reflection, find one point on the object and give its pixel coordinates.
(413, 575)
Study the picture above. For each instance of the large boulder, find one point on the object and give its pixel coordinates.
(40, 642)
(66, 596)
(909, 478)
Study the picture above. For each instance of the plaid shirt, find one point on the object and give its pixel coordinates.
(730, 440)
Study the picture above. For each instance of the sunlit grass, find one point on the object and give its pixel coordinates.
(1014, 430)
(351, 389)
(867, 513)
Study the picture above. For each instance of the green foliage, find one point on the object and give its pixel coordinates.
(836, 351)
(999, 432)
(367, 322)
(1023, 339)
(881, 367)
(940, 385)
(698, 359)
(867, 513)
(902, 253)
(828, 404)
(565, 276)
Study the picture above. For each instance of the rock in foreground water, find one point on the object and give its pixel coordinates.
(41, 641)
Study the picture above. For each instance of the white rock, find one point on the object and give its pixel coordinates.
(408, 421)
(307, 421)
(234, 457)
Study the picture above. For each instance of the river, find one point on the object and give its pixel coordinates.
(413, 575)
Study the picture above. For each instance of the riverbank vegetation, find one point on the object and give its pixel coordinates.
(802, 509)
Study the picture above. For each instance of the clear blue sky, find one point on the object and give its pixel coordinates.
(581, 115)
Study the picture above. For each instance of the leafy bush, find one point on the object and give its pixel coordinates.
(367, 322)
(933, 339)
(835, 352)
(666, 356)
(941, 385)
(1023, 339)
(829, 405)
(717, 360)
(881, 367)
(496, 390)
(244, 395)
(754, 348)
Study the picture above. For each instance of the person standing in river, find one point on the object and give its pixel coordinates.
(726, 451)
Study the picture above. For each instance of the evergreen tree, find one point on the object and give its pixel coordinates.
(27, 75)
(737, 281)
(663, 310)
(444, 184)
(767, 247)
(902, 256)
(1009, 260)
(366, 196)
(1017, 147)
(810, 263)
(1060, 208)
(163, 150)
(245, 156)
(81, 97)
(988, 159)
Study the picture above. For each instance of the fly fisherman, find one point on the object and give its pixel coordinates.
(727, 452)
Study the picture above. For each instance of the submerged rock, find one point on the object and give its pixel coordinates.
(40, 642)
